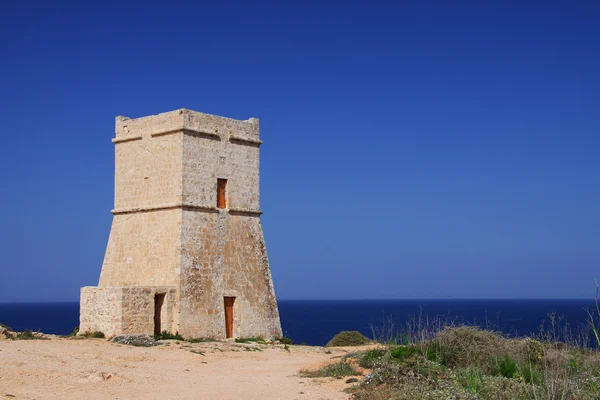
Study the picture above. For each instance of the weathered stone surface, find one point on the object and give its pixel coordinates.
(168, 236)
(116, 310)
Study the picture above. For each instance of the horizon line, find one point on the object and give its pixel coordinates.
(347, 299)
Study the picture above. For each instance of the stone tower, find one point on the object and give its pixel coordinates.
(186, 251)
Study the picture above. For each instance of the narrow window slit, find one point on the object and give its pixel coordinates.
(221, 193)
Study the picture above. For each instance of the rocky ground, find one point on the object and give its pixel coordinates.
(77, 368)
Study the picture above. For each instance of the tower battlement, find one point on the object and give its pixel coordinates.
(222, 128)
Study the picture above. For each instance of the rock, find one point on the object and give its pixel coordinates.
(352, 380)
(135, 340)
(99, 376)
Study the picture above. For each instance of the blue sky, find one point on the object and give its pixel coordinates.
(420, 150)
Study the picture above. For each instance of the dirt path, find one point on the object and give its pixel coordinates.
(98, 369)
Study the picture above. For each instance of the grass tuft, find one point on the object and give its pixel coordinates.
(284, 340)
(337, 370)
(8, 328)
(94, 335)
(258, 339)
(29, 335)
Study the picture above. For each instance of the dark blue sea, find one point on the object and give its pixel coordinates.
(314, 322)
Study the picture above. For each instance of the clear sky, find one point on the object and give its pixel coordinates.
(421, 150)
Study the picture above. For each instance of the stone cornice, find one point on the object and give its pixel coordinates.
(185, 206)
(162, 207)
(193, 132)
(190, 131)
(126, 139)
(241, 140)
(240, 211)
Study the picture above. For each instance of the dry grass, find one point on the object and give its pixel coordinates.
(466, 362)
(94, 335)
(336, 370)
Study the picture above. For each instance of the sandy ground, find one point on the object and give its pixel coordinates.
(97, 369)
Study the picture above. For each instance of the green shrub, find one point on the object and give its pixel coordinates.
(506, 367)
(348, 338)
(75, 331)
(531, 375)
(431, 353)
(165, 335)
(574, 364)
(337, 370)
(402, 352)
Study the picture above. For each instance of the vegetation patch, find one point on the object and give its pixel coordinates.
(505, 367)
(348, 338)
(401, 353)
(201, 340)
(368, 359)
(337, 370)
(94, 335)
(29, 335)
(258, 339)
(165, 335)
(468, 363)
(284, 340)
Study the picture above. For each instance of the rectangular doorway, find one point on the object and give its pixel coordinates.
(159, 299)
(229, 316)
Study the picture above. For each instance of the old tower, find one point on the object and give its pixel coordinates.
(186, 251)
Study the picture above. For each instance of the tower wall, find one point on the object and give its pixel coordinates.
(226, 257)
(144, 249)
(168, 232)
(144, 244)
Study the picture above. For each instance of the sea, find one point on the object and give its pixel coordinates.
(315, 322)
